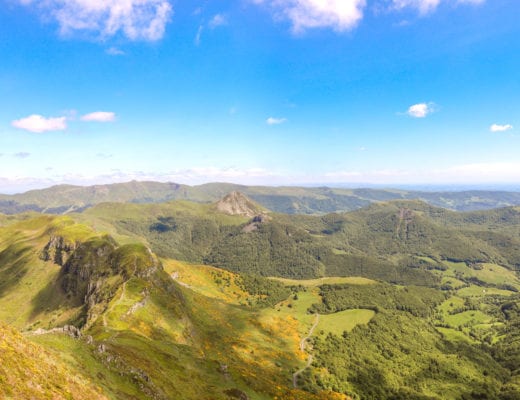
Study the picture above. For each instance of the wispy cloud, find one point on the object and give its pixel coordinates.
(115, 51)
(135, 19)
(22, 154)
(428, 6)
(38, 124)
(104, 155)
(500, 128)
(340, 15)
(198, 35)
(217, 20)
(99, 116)
(275, 121)
(420, 110)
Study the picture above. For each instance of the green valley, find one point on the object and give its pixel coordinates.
(227, 300)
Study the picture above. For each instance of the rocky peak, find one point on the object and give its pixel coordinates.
(236, 203)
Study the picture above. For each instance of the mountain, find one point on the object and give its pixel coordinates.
(235, 203)
(401, 300)
(387, 241)
(116, 318)
(290, 200)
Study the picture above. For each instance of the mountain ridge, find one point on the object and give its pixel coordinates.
(62, 199)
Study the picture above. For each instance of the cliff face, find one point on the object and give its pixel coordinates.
(91, 271)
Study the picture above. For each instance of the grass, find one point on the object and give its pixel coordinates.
(467, 318)
(479, 291)
(353, 280)
(486, 272)
(454, 335)
(28, 371)
(208, 281)
(343, 321)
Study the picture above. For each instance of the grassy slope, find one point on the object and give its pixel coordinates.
(206, 333)
(154, 337)
(25, 372)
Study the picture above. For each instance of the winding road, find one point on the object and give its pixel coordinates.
(303, 342)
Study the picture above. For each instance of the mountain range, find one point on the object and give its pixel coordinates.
(290, 200)
(230, 299)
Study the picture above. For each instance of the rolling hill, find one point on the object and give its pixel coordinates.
(290, 200)
(401, 300)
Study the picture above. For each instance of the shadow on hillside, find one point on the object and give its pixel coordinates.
(13, 266)
(49, 299)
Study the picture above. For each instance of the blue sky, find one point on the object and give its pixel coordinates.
(259, 91)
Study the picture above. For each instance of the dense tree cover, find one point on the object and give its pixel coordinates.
(418, 301)
(386, 241)
(400, 354)
(268, 292)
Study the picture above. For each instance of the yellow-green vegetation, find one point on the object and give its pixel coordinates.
(467, 318)
(414, 302)
(479, 291)
(330, 280)
(28, 371)
(208, 281)
(454, 335)
(30, 294)
(343, 321)
(485, 272)
(144, 334)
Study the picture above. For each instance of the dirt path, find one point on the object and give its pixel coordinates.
(303, 342)
(175, 277)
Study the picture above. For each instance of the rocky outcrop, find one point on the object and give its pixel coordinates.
(235, 203)
(70, 330)
(57, 250)
(92, 271)
(256, 222)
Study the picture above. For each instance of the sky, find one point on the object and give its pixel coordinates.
(272, 92)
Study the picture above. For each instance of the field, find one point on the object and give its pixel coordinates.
(343, 321)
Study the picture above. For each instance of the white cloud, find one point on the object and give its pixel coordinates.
(275, 121)
(114, 51)
(340, 15)
(423, 6)
(420, 110)
(38, 124)
(427, 6)
(471, 1)
(99, 116)
(500, 128)
(217, 20)
(198, 35)
(136, 19)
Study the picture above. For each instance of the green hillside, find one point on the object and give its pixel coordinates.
(291, 200)
(112, 314)
(402, 242)
(401, 300)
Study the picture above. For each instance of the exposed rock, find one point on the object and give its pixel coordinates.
(256, 222)
(70, 330)
(57, 250)
(235, 203)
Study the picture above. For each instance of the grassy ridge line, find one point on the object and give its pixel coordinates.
(293, 200)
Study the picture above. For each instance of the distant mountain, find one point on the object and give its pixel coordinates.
(235, 203)
(290, 200)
